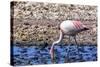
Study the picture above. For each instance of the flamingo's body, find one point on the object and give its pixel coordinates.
(70, 28)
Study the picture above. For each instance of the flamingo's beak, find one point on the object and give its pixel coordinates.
(52, 53)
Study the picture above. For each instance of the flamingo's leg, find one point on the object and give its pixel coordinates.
(77, 45)
(67, 50)
(75, 40)
(79, 40)
(69, 40)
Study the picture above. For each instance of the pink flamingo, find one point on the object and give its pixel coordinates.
(70, 28)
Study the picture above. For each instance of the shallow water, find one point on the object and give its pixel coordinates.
(32, 55)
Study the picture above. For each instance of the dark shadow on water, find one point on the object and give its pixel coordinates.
(33, 55)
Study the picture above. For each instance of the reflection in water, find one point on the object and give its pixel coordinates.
(30, 55)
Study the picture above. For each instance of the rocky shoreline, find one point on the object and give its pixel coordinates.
(38, 23)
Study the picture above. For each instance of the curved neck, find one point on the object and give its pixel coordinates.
(59, 40)
(52, 47)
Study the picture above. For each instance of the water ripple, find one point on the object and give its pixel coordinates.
(29, 55)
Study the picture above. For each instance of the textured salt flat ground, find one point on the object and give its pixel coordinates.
(38, 23)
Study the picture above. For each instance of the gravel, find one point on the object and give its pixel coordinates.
(38, 22)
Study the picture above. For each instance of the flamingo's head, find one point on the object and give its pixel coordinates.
(52, 52)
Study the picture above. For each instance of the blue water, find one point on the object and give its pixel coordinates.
(32, 55)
